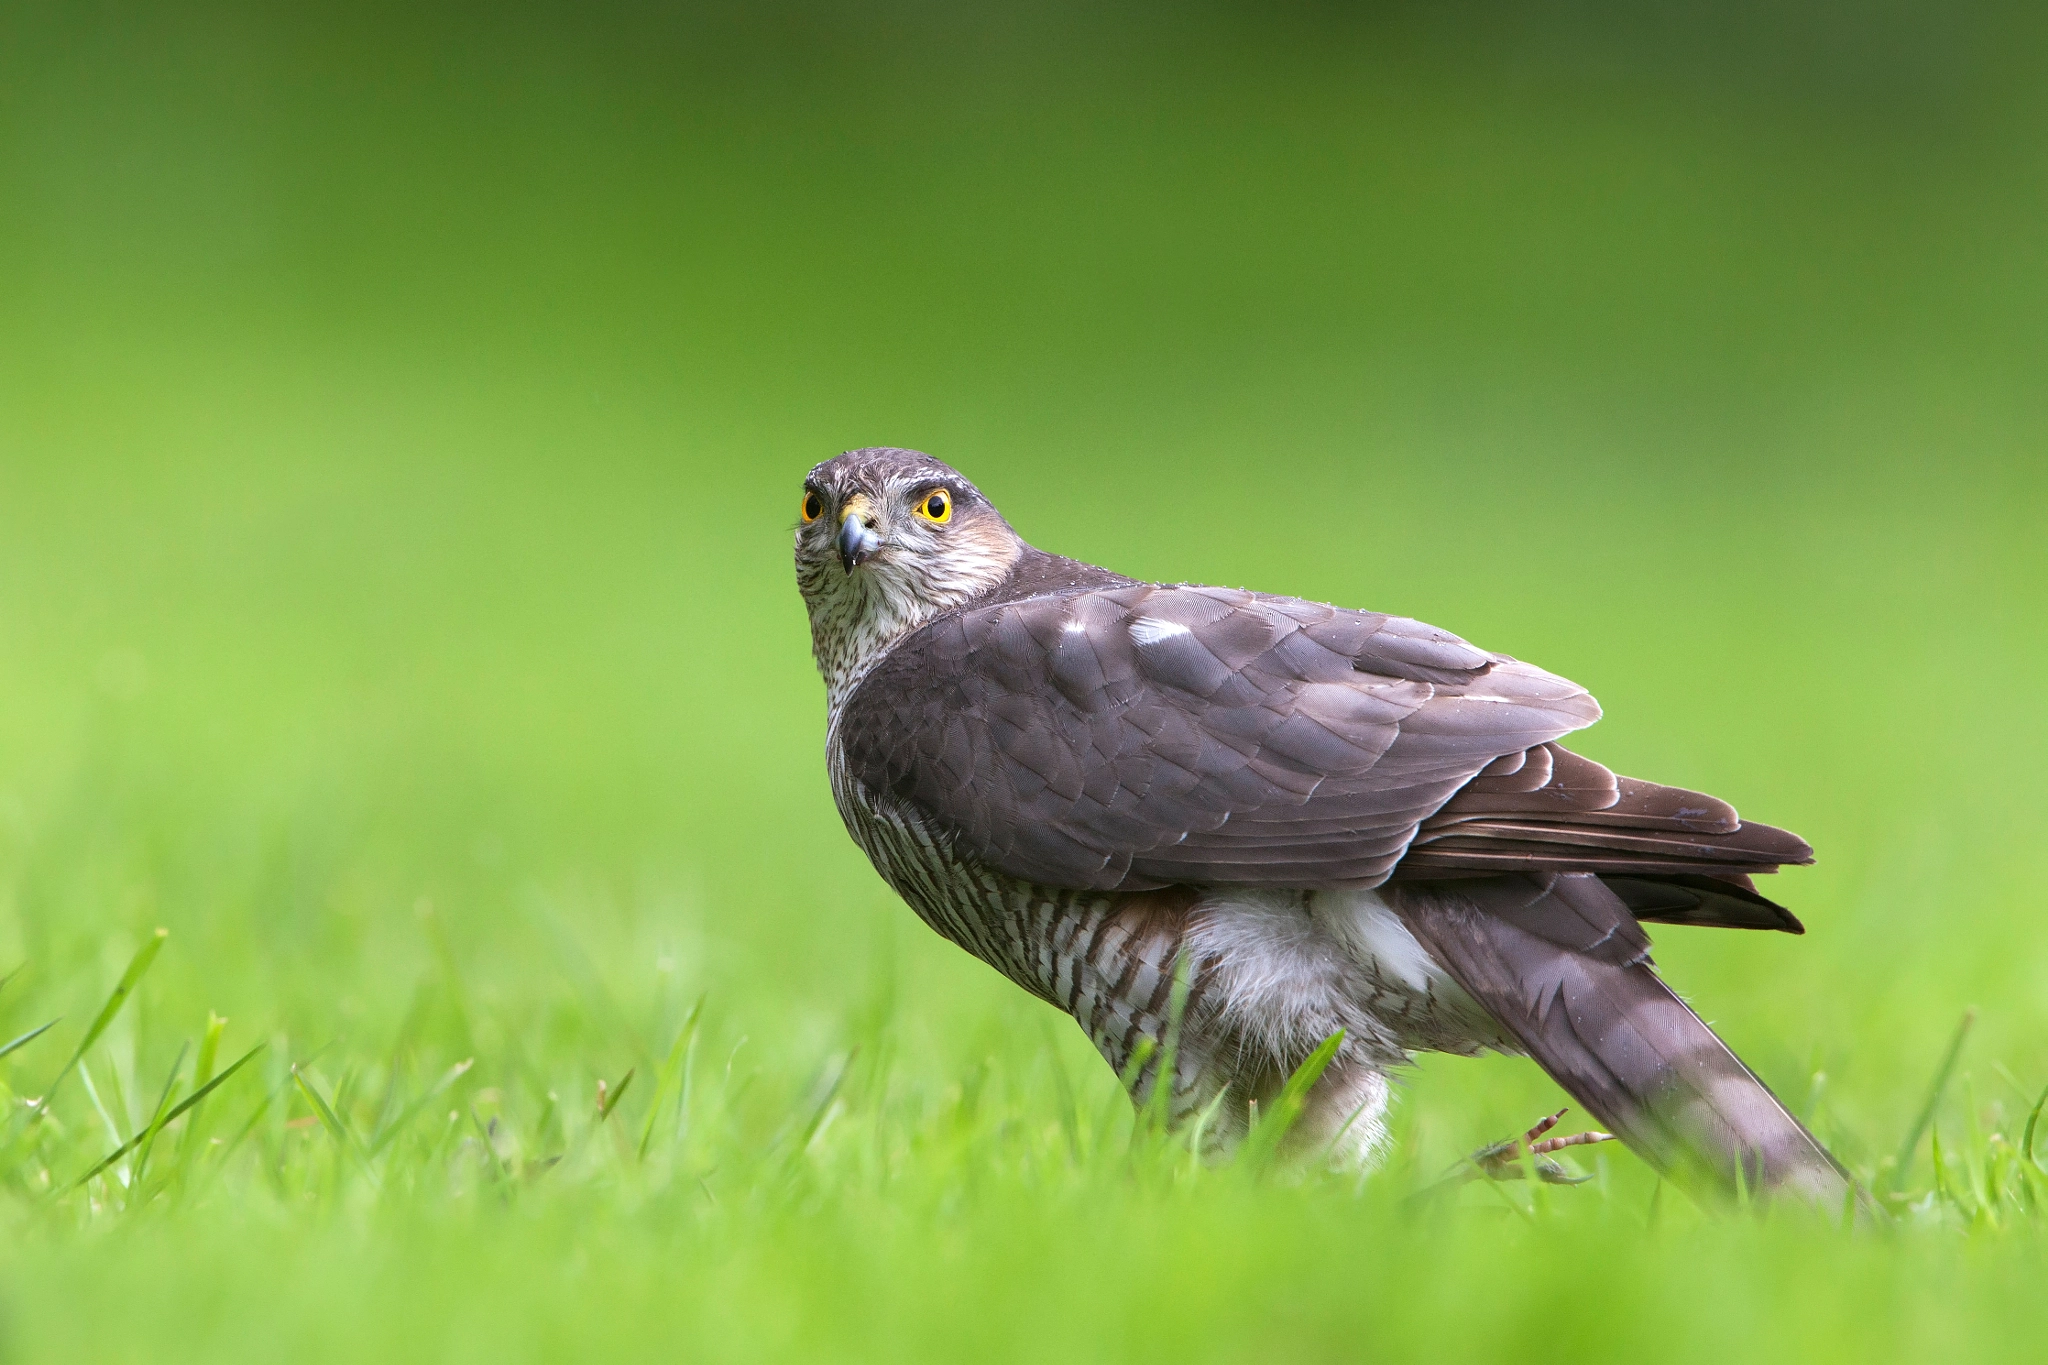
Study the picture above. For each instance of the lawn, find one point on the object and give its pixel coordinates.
(404, 689)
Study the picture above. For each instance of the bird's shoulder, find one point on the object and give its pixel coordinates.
(1053, 615)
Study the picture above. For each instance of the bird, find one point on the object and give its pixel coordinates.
(1226, 829)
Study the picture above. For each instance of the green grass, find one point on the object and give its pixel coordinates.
(401, 418)
(364, 1199)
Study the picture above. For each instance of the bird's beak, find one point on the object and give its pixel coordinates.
(857, 539)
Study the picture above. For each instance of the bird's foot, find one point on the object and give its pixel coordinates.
(1505, 1160)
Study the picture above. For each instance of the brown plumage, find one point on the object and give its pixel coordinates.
(1336, 818)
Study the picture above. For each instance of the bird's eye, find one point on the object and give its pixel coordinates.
(814, 506)
(937, 506)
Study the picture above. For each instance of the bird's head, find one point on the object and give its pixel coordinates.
(886, 540)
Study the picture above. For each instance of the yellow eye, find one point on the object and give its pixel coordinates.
(937, 506)
(814, 506)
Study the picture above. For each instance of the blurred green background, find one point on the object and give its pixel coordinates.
(402, 412)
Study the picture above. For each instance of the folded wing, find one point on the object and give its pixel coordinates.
(1143, 736)
(1137, 736)
(1673, 855)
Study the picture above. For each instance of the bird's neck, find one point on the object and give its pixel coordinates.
(857, 618)
(855, 625)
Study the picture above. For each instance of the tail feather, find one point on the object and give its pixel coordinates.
(1563, 965)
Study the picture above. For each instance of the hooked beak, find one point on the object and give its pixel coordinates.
(857, 539)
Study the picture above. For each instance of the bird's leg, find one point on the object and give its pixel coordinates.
(1503, 1160)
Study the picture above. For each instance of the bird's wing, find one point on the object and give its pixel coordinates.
(1678, 856)
(1141, 735)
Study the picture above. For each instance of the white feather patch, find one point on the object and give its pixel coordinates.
(1374, 937)
(1149, 630)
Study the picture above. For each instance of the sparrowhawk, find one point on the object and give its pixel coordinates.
(1316, 819)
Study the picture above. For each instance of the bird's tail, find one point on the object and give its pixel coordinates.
(1563, 965)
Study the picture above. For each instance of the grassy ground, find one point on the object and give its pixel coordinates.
(400, 422)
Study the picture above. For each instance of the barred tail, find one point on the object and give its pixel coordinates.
(1561, 962)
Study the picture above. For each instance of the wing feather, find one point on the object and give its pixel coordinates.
(1138, 736)
(1132, 736)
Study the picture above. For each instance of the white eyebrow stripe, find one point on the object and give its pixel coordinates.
(1150, 630)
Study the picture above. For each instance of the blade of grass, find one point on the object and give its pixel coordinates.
(1350, 1121)
(209, 1048)
(1262, 1144)
(547, 1128)
(384, 1135)
(1904, 1165)
(1943, 1188)
(687, 1090)
(822, 1095)
(345, 1087)
(608, 1098)
(1976, 1158)
(498, 1140)
(202, 1072)
(1198, 1131)
(137, 966)
(92, 1092)
(255, 1117)
(2027, 1137)
(667, 1077)
(12, 1043)
(147, 1138)
(1141, 1054)
(182, 1107)
(394, 1077)
(2004, 1073)
(1159, 1104)
(329, 1120)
